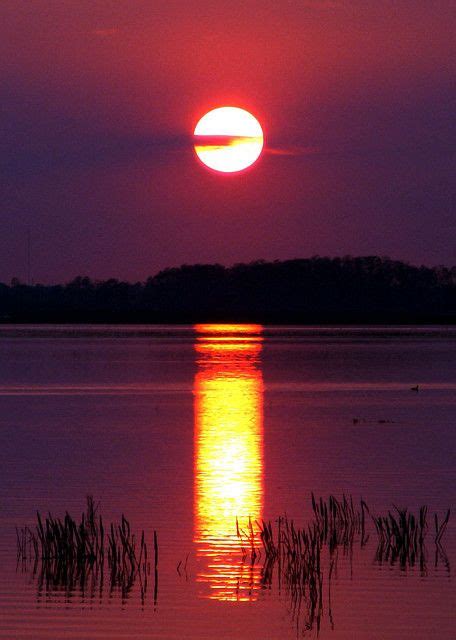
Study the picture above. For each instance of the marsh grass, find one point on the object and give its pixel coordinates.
(401, 537)
(295, 554)
(70, 554)
(86, 555)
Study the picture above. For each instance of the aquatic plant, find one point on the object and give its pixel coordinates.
(339, 521)
(401, 537)
(71, 554)
(295, 553)
(402, 534)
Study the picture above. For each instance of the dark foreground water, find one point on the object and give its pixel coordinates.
(185, 429)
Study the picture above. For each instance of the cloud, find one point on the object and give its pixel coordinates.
(42, 132)
(88, 150)
(292, 151)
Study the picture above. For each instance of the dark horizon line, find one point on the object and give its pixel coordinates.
(348, 290)
(255, 262)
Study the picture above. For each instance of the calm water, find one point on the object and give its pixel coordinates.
(183, 429)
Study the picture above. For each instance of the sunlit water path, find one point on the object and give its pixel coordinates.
(185, 430)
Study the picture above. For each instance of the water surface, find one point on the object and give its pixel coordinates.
(185, 429)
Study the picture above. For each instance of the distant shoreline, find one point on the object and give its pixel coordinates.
(451, 322)
(315, 291)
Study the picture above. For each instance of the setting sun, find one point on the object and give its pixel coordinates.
(228, 139)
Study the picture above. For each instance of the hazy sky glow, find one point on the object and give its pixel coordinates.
(99, 98)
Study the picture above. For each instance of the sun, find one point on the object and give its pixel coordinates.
(228, 139)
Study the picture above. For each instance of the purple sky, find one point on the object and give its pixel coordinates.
(98, 100)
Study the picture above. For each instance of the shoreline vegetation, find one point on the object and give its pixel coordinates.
(346, 290)
(67, 555)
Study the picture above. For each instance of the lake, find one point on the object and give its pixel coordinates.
(191, 431)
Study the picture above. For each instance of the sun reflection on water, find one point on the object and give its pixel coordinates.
(228, 393)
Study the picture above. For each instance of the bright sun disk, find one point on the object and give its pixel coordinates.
(228, 139)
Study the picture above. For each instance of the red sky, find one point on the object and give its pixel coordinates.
(99, 99)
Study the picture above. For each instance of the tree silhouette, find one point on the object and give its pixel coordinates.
(318, 289)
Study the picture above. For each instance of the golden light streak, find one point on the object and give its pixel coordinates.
(228, 394)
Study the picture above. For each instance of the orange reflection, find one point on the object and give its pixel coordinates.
(228, 455)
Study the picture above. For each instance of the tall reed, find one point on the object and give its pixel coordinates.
(69, 553)
(294, 553)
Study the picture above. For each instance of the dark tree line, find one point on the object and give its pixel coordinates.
(327, 290)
